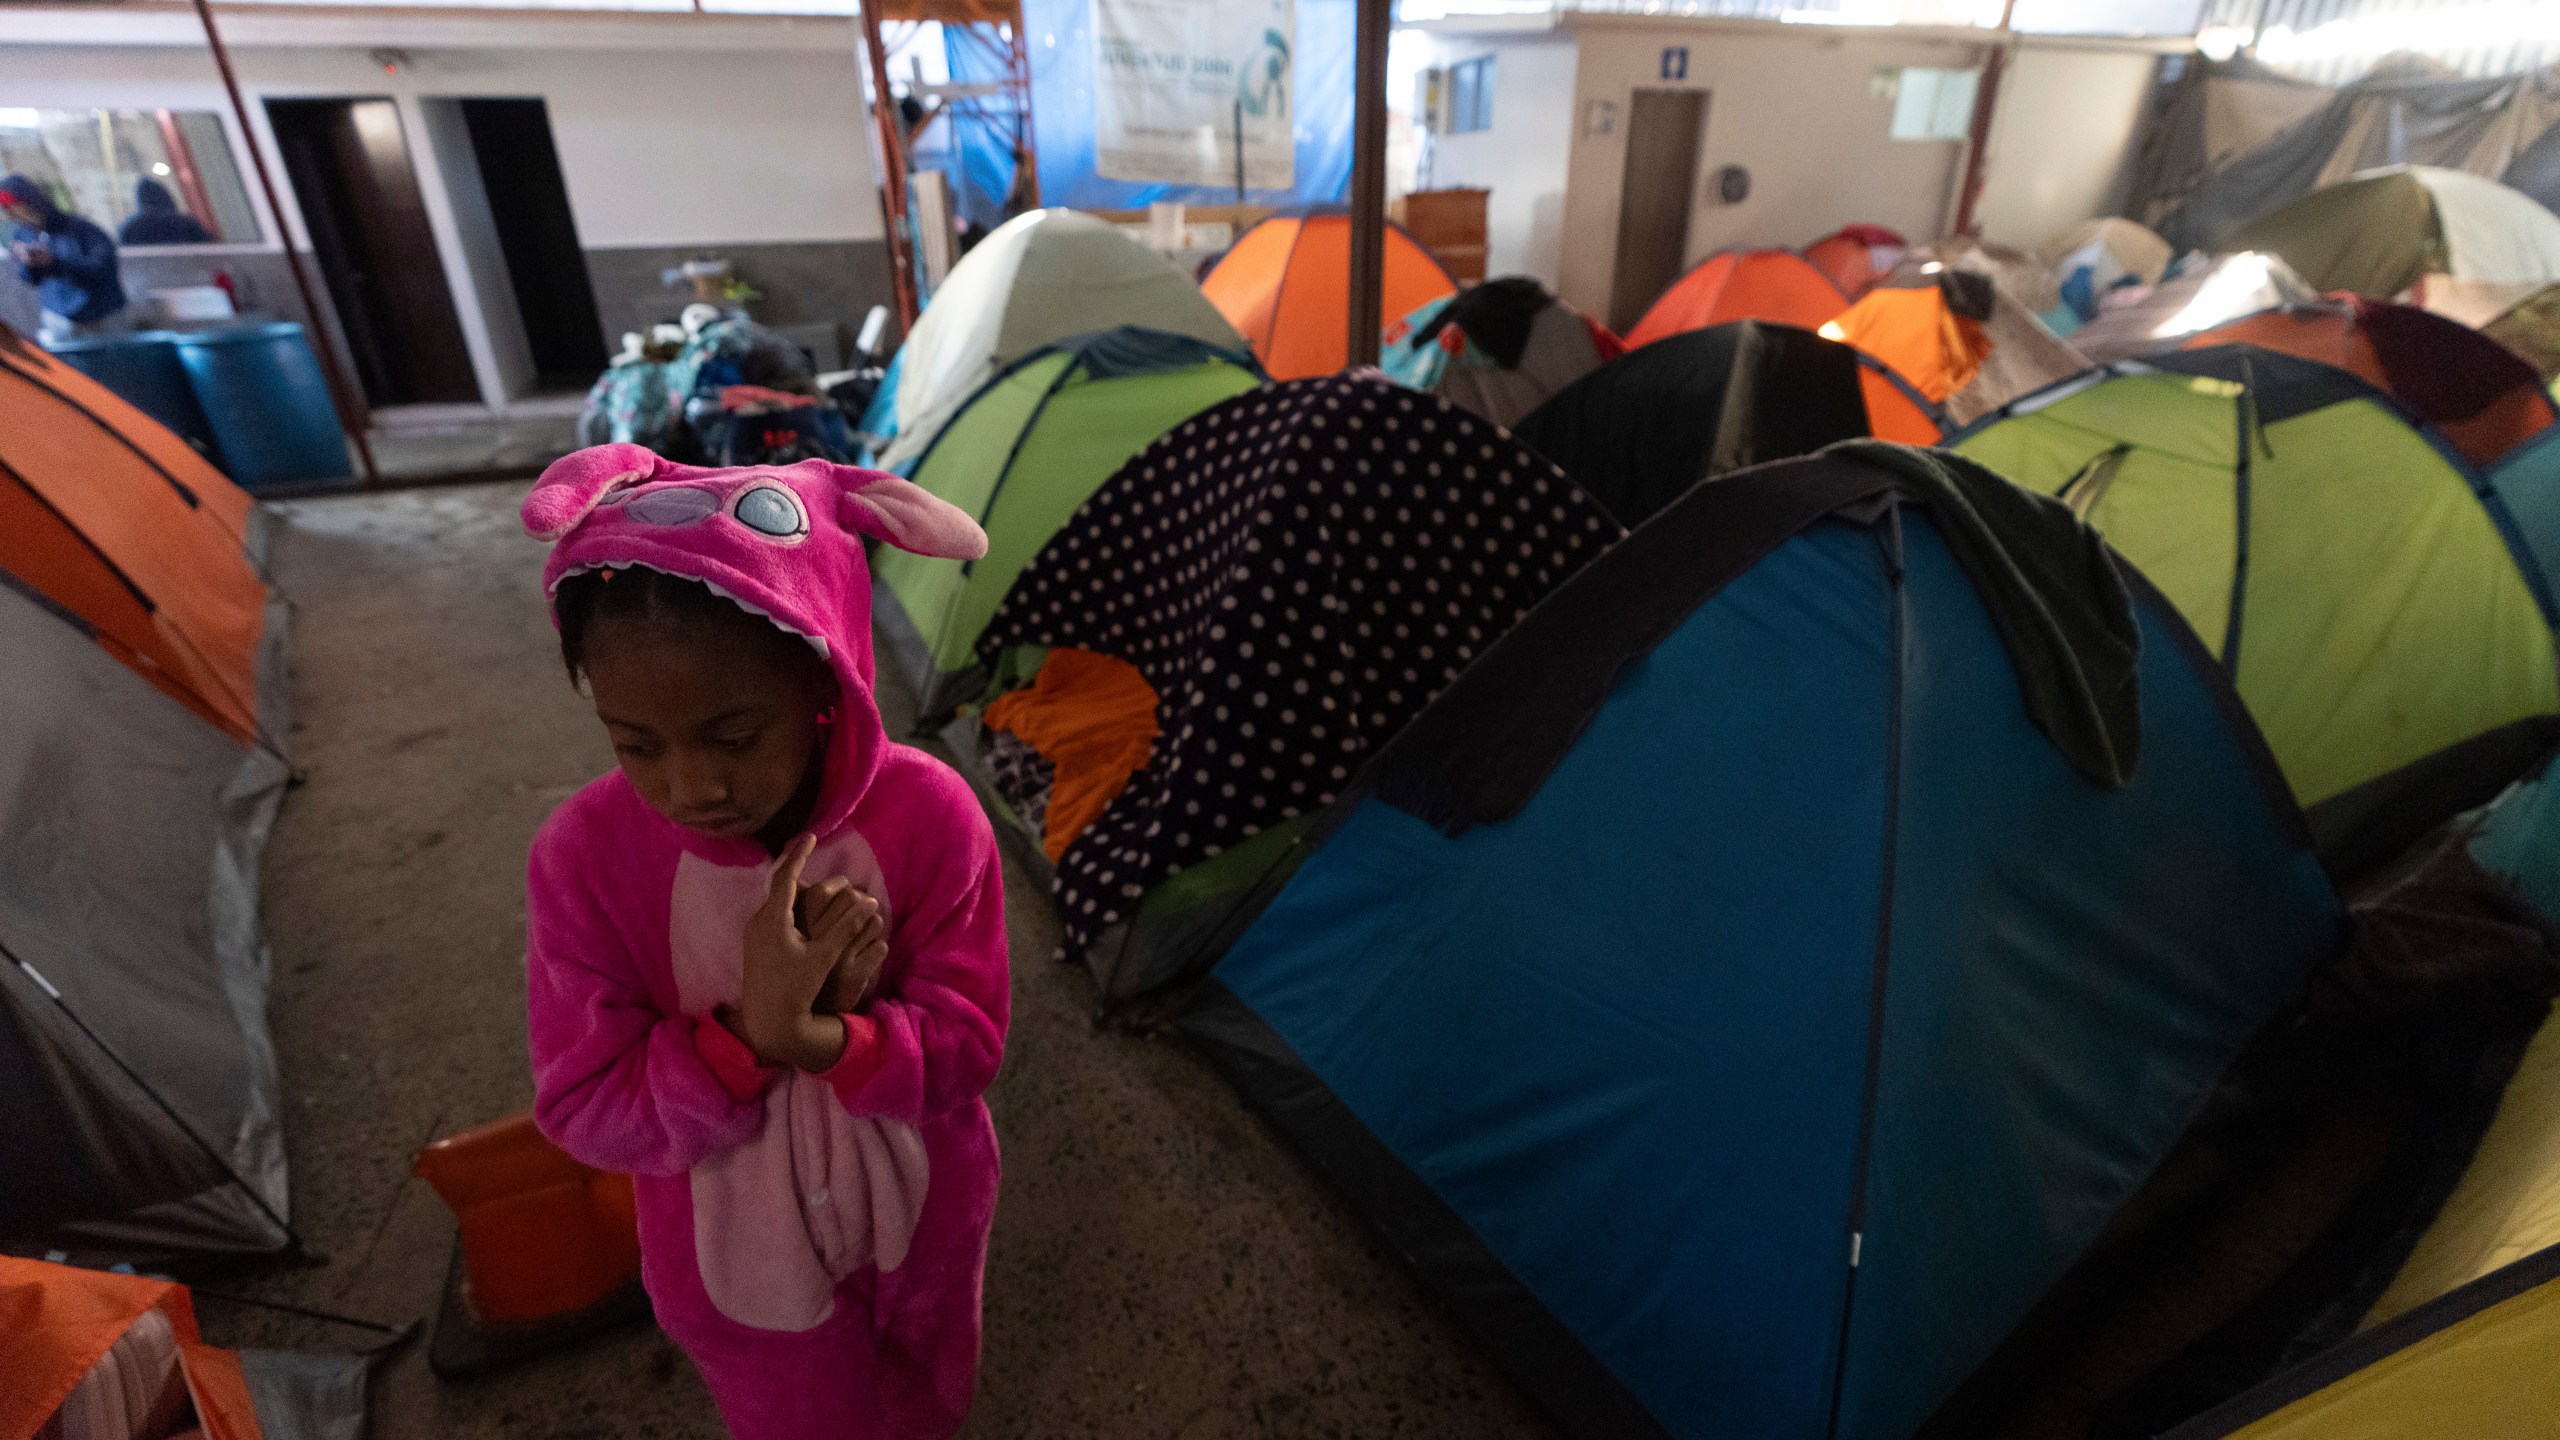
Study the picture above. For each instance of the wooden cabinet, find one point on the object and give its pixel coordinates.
(1450, 224)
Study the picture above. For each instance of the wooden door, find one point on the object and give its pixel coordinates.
(1666, 129)
(361, 206)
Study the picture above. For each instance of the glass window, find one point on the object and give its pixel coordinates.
(1929, 104)
(1471, 95)
(96, 161)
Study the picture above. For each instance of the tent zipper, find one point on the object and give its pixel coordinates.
(1890, 543)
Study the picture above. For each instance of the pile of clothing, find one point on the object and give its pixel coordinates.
(715, 389)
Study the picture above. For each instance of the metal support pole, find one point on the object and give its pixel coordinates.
(182, 160)
(352, 411)
(893, 169)
(1986, 101)
(1026, 162)
(1369, 179)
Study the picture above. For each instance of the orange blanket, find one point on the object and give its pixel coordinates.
(1093, 718)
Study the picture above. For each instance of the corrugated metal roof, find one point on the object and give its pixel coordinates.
(2337, 41)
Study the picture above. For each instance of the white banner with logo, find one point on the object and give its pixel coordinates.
(1172, 79)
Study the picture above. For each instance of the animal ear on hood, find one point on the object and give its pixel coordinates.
(573, 484)
(908, 516)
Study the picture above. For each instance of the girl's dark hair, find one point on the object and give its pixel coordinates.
(637, 593)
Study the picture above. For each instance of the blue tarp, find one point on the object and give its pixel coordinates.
(985, 145)
(1061, 35)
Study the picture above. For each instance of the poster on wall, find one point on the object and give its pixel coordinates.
(1174, 79)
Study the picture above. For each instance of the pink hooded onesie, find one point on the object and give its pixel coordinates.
(816, 1242)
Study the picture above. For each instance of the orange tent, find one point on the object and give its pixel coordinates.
(1286, 287)
(1919, 350)
(57, 1323)
(1896, 409)
(1919, 335)
(2480, 395)
(1775, 285)
(115, 523)
(1857, 256)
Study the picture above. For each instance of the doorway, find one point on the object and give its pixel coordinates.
(546, 267)
(1665, 131)
(360, 202)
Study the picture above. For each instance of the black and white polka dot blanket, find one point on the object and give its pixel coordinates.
(1296, 571)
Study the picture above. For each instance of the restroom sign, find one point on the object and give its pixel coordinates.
(1675, 62)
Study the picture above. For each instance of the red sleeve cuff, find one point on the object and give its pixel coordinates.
(860, 1060)
(730, 1061)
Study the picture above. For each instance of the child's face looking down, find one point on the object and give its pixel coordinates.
(717, 735)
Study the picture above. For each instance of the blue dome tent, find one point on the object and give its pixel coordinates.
(1761, 975)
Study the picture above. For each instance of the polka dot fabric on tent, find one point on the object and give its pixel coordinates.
(1297, 571)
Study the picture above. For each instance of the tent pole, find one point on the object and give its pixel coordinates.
(893, 169)
(1986, 100)
(352, 412)
(293, 1237)
(1369, 179)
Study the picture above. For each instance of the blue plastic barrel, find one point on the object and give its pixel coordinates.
(145, 370)
(262, 393)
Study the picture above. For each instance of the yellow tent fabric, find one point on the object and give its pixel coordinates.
(2508, 1203)
(2481, 1363)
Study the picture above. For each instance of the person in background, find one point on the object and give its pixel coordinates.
(71, 262)
(157, 220)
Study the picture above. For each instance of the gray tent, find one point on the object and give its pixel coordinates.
(136, 1074)
(2233, 140)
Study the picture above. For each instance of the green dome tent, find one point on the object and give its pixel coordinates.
(1028, 448)
(2375, 599)
(1037, 279)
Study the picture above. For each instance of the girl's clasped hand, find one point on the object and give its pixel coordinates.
(812, 953)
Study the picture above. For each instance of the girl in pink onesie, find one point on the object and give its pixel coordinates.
(767, 954)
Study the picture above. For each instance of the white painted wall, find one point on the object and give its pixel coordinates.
(1522, 159)
(2062, 140)
(671, 129)
(1792, 107)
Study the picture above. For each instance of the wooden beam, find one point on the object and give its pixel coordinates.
(1369, 178)
(1986, 102)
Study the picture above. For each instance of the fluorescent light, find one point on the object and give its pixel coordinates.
(18, 117)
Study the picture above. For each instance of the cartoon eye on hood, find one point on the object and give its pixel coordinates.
(771, 511)
(672, 505)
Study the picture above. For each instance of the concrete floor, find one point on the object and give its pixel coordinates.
(1161, 1267)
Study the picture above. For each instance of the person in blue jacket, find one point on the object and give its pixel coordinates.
(71, 262)
(157, 220)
